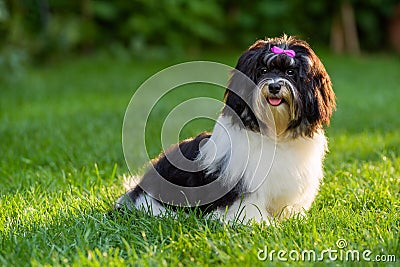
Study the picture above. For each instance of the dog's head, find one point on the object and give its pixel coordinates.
(285, 89)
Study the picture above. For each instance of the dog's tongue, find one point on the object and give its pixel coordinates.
(274, 101)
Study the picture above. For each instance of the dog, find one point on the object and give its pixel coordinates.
(264, 159)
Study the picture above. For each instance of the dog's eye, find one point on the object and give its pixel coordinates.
(263, 70)
(289, 72)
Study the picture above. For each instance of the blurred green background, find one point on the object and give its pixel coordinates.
(68, 70)
(39, 31)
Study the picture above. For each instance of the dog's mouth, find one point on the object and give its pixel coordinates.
(275, 101)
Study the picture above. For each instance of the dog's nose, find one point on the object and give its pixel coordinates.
(274, 88)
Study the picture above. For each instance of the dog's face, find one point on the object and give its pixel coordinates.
(286, 90)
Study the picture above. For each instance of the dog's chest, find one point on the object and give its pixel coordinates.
(279, 170)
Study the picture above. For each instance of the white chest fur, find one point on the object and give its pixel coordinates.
(275, 174)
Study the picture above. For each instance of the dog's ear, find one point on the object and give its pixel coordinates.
(248, 65)
(323, 91)
(317, 92)
(241, 86)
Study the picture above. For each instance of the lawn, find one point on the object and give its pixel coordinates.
(62, 166)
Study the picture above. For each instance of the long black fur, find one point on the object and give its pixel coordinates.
(164, 168)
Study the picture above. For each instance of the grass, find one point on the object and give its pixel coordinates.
(62, 166)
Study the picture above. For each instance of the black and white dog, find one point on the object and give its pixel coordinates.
(264, 158)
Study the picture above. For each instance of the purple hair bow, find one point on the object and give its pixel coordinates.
(278, 50)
